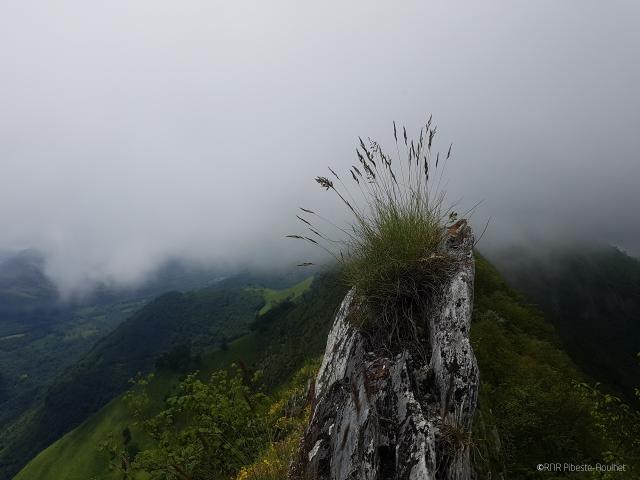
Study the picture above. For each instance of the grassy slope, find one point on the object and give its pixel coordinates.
(103, 373)
(203, 318)
(31, 359)
(75, 456)
(273, 297)
(529, 410)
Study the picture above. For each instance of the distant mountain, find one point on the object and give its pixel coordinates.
(592, 296)
(27, 296)
(23, 281)
(173, 274)
(42, 334)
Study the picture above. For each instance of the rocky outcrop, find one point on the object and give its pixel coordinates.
(398, 416)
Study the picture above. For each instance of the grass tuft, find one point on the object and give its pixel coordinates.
(393, 251)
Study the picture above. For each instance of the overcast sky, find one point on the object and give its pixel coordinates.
(135, 130)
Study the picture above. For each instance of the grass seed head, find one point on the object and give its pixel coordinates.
(393, 252)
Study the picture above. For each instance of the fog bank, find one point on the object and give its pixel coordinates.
(131, 132)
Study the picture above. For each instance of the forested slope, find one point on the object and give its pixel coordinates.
(535, 404)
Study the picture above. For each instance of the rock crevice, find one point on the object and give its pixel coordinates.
(398, 416)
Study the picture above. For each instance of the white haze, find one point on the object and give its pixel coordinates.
(133, 131)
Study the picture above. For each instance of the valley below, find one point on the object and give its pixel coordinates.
(77, 400)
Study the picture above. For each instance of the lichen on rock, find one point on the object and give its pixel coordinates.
(381, 414)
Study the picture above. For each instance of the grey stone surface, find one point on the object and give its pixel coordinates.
(380, 416)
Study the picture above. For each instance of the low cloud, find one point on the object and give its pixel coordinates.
(134, 132)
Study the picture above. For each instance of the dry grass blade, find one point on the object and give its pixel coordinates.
(393, 177)
(393, 253)
(303, 220)
(431, 135)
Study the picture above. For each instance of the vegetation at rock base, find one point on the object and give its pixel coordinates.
(274, 463)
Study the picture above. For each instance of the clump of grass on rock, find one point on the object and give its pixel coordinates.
(393, 251)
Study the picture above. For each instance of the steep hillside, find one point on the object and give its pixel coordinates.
(531, 406)
(289, 334)
(35, 357)
(592, 296)
(202, 319)
(41, 334)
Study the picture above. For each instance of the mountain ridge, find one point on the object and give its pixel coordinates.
(529, 386)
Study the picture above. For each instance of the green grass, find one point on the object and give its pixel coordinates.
(392, 250)
(75, 456)
(274, 297)
(397, 256)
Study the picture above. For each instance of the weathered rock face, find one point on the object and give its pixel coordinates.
(381, 417)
